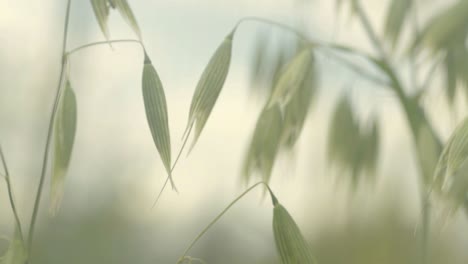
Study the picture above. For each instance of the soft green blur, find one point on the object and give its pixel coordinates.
(357, 201)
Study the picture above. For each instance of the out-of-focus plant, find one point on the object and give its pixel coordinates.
(292, 82)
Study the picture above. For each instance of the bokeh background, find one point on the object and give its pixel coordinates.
(115, 172)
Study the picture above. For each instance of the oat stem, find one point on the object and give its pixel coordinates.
(273, 198)
(50, 130)
(10, 196)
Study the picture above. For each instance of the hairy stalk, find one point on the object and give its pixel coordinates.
(98, 43)
(273, 198)
(414, 122)
(50, 131)
(10, 196)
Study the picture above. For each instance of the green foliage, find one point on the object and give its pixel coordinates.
(448, 26)
(102, 10)
(292, 78)
(127, 14)
(281, 122)
(265, 143)
(156, 113)
(396, 15)
(292, 84)
(297, 109)
(352, 148)
(209, 87)
(65, 130)
(290, 244)
(266, 65)
(451, 173)
(446, 34)
(456, 68)
(429, 149)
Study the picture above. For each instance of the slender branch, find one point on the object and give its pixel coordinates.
(98, 43)
(50, 130)
(274, 200)
(10, 196)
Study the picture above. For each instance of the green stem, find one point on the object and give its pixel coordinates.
(274, 23)
(10, 196)
(98, 43)
(426, 221)
(50, 131)
(323, 45)
(273, 198)
(416, 119)
(430, 74)
(369, 29)
(173, 166)
(425, 194)
(355, 68)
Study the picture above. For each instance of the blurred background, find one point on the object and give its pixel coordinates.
(115, 171)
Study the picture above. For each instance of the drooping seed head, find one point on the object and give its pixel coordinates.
(290, 244)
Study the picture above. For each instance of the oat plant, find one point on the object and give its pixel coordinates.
(292, 85)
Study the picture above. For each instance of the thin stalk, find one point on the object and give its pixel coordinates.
(430, 74)
(50, 131)
(415, 27)
(173, 166)
(356, 68)
(274, 23)
(273, 198)
(10, 196)
(425, 198)
(426, 222)
(98, 43)
(413, 122)
(315, 43)
(369, 29)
